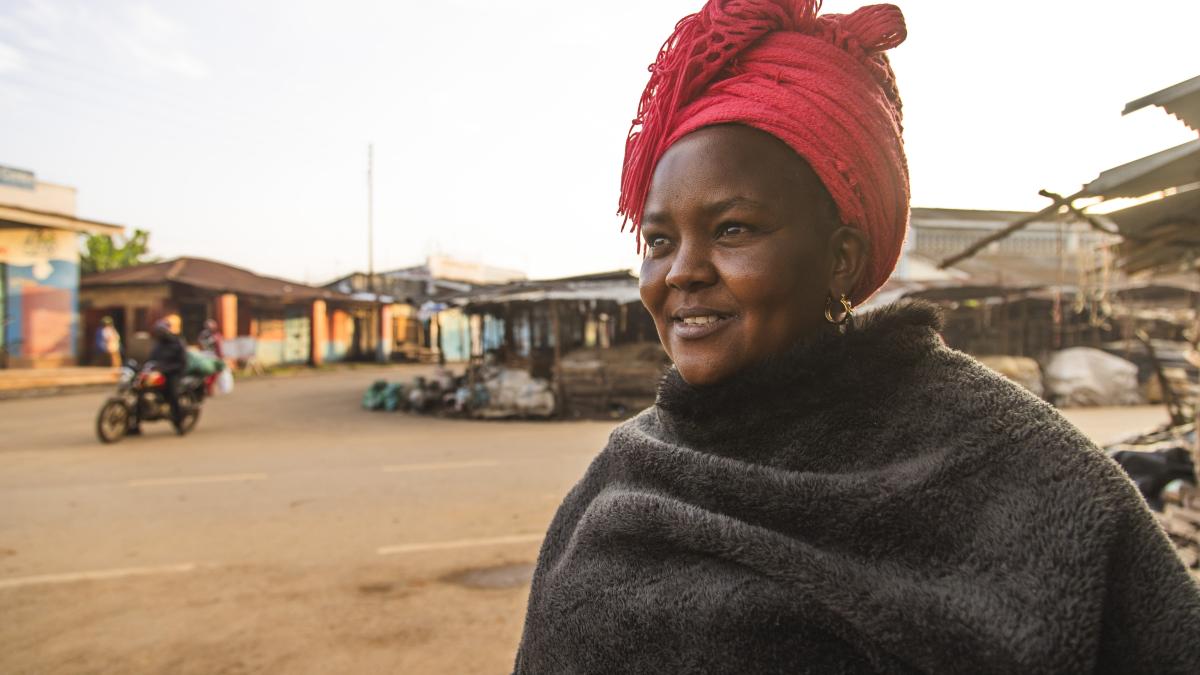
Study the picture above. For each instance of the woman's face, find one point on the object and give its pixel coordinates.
(743, 250)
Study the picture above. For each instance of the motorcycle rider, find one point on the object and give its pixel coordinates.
(170, 359)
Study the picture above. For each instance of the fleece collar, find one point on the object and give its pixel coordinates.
(858, 366)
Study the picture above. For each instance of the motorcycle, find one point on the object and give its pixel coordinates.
(143, 390)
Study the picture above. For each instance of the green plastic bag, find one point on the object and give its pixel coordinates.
(202, 364)
(375, 395)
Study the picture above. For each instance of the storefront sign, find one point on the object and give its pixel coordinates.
(17, 177)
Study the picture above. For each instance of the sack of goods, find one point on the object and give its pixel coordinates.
(203, 364)
(225, 382)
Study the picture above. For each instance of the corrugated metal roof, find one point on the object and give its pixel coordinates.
(210, 275)
(960, 292)
(1181, 100)
(1180, 207)
(620, 287)
(619, 293)
(1176, 166)
(923, 215)
(1163, 234)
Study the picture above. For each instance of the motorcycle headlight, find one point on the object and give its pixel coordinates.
(126, 375)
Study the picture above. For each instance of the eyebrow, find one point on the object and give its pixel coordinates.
(709, 210)
(724, 205)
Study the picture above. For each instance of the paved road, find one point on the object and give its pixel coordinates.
(292, 532)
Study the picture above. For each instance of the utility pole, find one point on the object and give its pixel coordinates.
(371, 217)
(376, 306)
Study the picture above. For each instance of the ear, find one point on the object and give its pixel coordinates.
(849, 250)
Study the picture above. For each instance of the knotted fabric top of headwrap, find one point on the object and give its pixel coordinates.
(821, 84)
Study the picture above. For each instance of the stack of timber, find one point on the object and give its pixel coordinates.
(612, 383)
(1181, 519)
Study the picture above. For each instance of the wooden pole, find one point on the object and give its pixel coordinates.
(1026, 349)
(1169, 396)
(560, 399)
(371, 218)
(510, 340)
(1001, 234)
(1196, 404)
(1005, 338)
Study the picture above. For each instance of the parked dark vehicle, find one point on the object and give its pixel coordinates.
(141, 397)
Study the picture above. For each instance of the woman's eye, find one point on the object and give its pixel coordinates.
(732, 229)
(655, 241)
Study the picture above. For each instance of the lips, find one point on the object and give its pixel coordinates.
(694, 323)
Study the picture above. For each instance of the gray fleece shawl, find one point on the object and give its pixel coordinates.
(870, 502)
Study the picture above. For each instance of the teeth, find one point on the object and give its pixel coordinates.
(700, 320)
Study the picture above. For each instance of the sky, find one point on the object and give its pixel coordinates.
(239, 130)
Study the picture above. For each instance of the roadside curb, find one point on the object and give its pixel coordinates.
(46, 392)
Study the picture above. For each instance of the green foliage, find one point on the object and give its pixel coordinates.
(102, 254)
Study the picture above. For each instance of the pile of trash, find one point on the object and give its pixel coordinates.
(1181, 520)
(1162, 465)
(1159, 462)
(485, 392)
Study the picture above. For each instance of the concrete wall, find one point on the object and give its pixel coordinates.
(340, 336)
(40, 295)
(282, 336)
(47, 197)
(135, 308)
(293, 335)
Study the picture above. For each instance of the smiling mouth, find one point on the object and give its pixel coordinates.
(701, 320)
(699, 326)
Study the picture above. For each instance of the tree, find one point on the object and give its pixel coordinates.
(102, 254)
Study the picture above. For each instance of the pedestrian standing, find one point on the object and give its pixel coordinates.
(108, 342)
(211, 340)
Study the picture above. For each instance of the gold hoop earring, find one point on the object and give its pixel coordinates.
(847, 308)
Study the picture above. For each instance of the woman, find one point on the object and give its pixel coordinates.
(812, 491)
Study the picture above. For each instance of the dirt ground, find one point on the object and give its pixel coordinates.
(292, 532)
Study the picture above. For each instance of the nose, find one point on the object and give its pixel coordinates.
(692, 268)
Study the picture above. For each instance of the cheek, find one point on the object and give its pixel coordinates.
(652, 286)
(653, 290)
(774, 284)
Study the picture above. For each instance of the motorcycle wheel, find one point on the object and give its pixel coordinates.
(191, 414)
(113, 421)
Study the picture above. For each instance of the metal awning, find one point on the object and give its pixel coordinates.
(1181, 100)
(959, 293)
(1177, 166)
(618, 293)
(1135, 221)
(1165, 231)
(22, 217)
(1161, 235)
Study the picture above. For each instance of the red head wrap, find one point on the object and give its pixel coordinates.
(821, 84)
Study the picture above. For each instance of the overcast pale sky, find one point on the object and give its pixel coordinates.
(238, 130)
